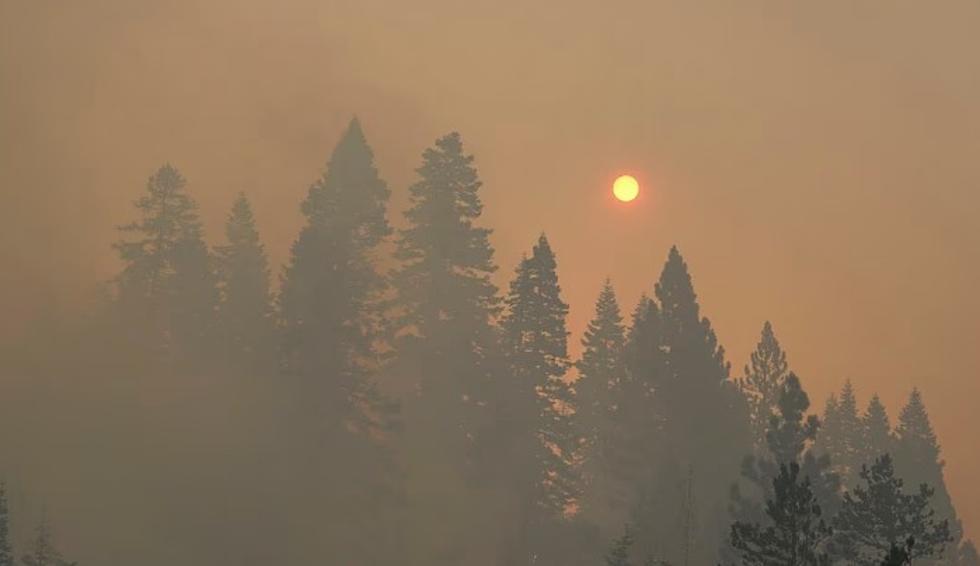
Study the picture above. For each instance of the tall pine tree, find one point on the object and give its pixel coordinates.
(546, 481)
(877, 432)
(918, 459)
(245, 314)
(167, 288)
(762, 382)
(705, 422)
(601, 372)
(842, 437)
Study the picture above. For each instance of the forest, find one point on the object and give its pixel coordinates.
(378, 400)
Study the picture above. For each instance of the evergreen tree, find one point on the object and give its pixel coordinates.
(900, 555)
(331, 287)
(6, 545)
(43, 550)
(619, 554)
(446, 298)
(795, 533)
(167, 285)
(791, 433)
(330, 304)
(601, 373)
(877, 437)
(918, 459)
(762, 382)
(843, 435)
(705, 420)
(447, 351)
(246, 308)
(541, 399)
(879, 514)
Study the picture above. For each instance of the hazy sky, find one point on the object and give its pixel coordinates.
(816, 162)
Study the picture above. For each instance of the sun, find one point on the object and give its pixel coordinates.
(625, 188)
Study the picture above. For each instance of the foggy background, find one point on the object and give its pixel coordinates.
(815, 161)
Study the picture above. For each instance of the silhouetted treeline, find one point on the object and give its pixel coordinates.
(385, 403)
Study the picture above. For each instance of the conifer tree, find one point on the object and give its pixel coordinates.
(762, 382)
(446, 299)
(246, 307)
(843, 435)
(168, 284)
(619, 554)
(878, 515)
(535, 340)
(43, 551)
(6, 544)
(601, 374)
(705, 420)
(330, 302)
(918, 459)
(794, 532)
(968, 555)
(331, 286)
(877, 438)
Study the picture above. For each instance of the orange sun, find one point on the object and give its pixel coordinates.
(625, 188)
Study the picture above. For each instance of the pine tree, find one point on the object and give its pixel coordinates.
(879, 515)
(795, 532)
(918, 459)
(331, 287)
(43, 550)
(447, 351)
(877, 437)
(167, 285)
(446, 299)
(842, 438)
(762, 382)
(330, 303)
(535, 342)
(6, 545)
(246, 308)
(791, 434)
(619, 554)
(601, 373)
(705, 420)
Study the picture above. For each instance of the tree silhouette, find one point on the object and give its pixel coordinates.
(619, 554)
(795, 532)
(877, 437)
(917, 459)
(43, 551)
(245, 312)
(842, 437)
(762, 382)
(167, 287)
(877, 515)
(601, 374)
(535, 341)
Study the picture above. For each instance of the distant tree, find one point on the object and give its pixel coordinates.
(6, 545)
(843, 434)
(246, 307)
(794, 533)
(878, 515)
(917, 457)
(43, 551)
(619, 554)
(535, 340)
(167, 287)
(600, 376)
(705, 419)
(762, 382)
(877, 437)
